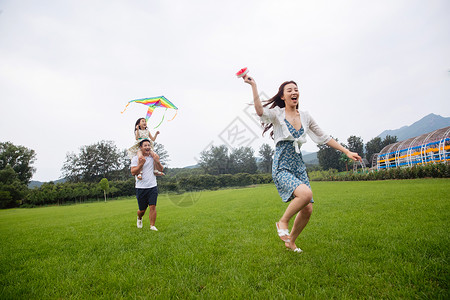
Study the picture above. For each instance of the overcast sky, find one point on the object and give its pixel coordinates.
(68, 68)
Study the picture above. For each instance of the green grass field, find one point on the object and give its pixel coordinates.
(382, 239)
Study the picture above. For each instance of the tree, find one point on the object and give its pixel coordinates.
(124, 170)
(375, 145)
(266, 153)
(215, 160)
(45, 194)
(100, 160)
(345, 160)
(163, 154)
(6, 199)
(242, 160)
(108, 158)
(389, 140)
(19, 158)
(355, 144)
(329, 157)
(104, 185)
(71, 169)
(11, 188)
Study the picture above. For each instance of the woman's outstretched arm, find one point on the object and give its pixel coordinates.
(352, 155)
(258, 105)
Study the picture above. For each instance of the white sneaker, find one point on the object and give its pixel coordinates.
(139, 223)
(153, 228)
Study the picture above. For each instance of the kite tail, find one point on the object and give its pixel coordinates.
(125, 108)
(161, 119)
(176, 111)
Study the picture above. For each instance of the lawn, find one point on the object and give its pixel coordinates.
(381, 239)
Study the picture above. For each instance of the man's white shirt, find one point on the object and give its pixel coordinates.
(148, 177)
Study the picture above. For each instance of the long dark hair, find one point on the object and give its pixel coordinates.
(276, 101)
(137, 123)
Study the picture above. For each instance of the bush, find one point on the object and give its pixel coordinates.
(429, 170)
(327, 175)
(61, 193)
(6, 200)
(202, 182)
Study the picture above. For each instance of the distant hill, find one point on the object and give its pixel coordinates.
(310, 158)
(34, 183)
(192, 167)
(427, 124)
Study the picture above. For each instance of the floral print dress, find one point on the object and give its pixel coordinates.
(288, 168)
(143, 134)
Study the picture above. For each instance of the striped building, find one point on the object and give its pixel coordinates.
(433, 147)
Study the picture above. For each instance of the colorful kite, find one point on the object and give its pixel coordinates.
(153, 103)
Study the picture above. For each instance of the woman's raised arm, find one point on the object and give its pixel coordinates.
(258, 105)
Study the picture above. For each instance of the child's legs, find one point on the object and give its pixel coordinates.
(139, 153)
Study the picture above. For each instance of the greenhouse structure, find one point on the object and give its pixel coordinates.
(433, 147)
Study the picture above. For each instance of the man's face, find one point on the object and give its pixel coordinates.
(145, 148)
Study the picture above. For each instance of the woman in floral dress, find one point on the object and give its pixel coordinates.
(290, 127)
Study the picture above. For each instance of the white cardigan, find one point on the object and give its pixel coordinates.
(277, 115)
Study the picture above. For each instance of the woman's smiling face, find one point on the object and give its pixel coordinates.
(290, 94)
